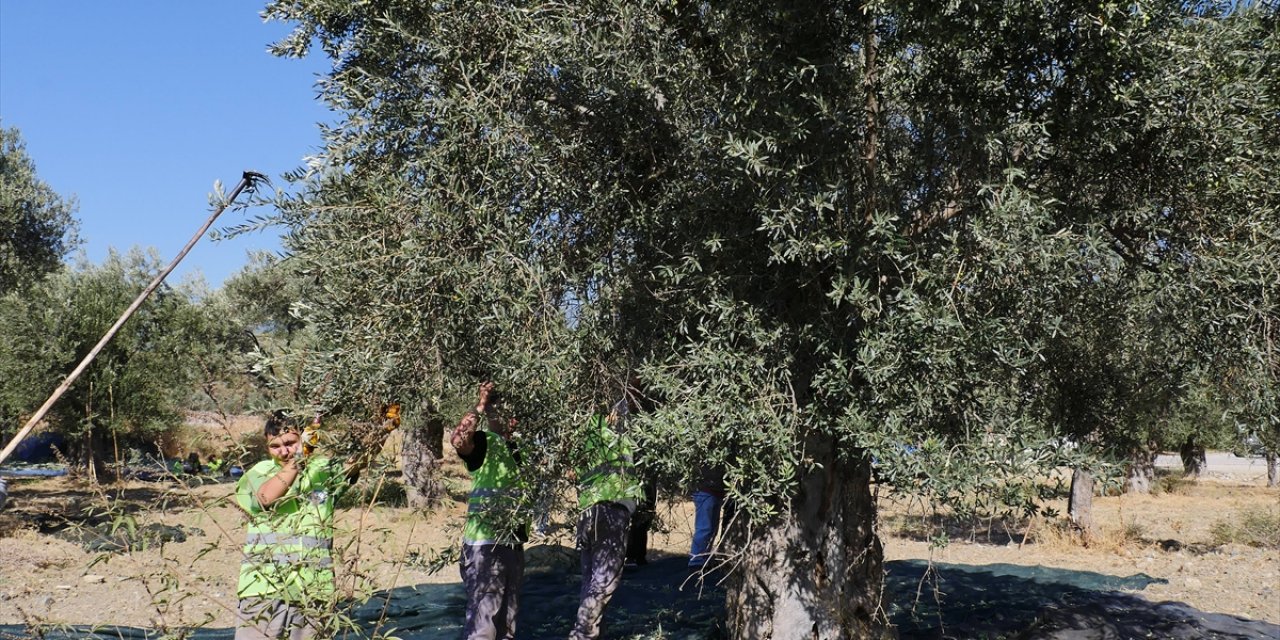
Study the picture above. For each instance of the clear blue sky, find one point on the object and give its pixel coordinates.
(136, 107)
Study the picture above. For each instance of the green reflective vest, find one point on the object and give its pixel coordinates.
(288, 551)
(608, 472)
(496, 489)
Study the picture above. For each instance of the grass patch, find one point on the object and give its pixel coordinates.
(1061, 535)
(939, 529)
(1172, 483)
(370, 491)
(1129, 535)
(1058, 534)
(1253, 527)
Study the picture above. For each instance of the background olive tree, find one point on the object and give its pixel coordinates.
(139, 384)
(37, 227)
(37, 230)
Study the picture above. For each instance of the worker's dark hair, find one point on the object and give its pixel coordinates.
(279, 422)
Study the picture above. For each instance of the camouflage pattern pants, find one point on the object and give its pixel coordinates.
(491, 575)
(602, 541)
(264, 619)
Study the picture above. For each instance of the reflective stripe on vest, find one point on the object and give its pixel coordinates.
(495, 490)
(293, 559)
(288, 547)
(611, 478)
(483, 499)
(308, 542)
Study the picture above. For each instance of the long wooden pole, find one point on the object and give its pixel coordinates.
(246, 181)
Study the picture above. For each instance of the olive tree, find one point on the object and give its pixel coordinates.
(1245, 188)
(818, 233)
(1217, 98)
(37, 229)
(137, 386)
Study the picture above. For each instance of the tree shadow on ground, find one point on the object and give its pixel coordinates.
(942, 601)
(86, 505)
(984, 601)
(662, 596)
(928, 528)
(660, 600)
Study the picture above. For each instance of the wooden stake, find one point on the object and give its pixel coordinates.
(248, 180)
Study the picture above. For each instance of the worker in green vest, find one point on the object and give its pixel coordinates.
(492, 564)
(608, 492)
(286, 579)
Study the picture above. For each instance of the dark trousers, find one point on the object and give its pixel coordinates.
(266, 619)
(491, 575)
(602, 541)
(641, 521)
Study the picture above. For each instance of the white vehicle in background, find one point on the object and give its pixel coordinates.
(1253, 446)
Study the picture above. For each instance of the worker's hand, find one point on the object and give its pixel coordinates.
(506, 427)
(307, 441)
(299, 458)
(482, 401)
(469, 423)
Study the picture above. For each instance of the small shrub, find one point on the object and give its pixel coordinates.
(1255, 528)
(1131, 533)
(1171, 484)
(388, 493)
(1061, 534)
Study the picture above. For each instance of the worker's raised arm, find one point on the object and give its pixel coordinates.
(464, 435)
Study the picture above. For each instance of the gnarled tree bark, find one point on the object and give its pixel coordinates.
(1080, 504)
(816, 571)
(421, 456)
(1193, 457)
(1142, 472)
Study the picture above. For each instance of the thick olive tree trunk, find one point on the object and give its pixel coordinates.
(421, 456)
(88, 456)
(816, 571)
(1193, 457)
(1080, 504)
(1273, 469)
(1142, 472)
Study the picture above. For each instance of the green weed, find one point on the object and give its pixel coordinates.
(1254, 527)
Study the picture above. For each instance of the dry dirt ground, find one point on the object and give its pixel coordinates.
(1159, 547)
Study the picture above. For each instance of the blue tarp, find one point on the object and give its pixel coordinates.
(38, 447)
